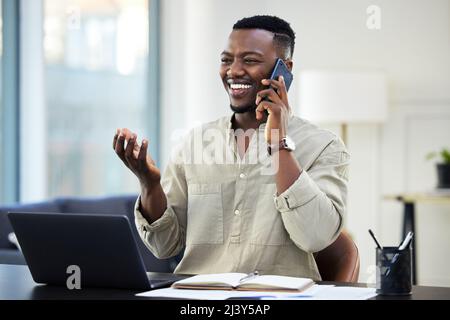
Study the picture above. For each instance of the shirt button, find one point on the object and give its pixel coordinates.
(242, 176)
(236, 212)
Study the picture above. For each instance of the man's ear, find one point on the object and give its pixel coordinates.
(289, 64)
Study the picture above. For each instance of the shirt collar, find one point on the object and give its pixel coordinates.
(262, 126)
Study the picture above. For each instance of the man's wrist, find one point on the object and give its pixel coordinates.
(148, 191)
(285, 143)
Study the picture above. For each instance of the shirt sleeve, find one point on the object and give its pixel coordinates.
(313, 207)
(166, 236)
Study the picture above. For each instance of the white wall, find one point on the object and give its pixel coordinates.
(413, 131)
(412, 47)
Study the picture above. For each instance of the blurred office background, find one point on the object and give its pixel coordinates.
(72, 71)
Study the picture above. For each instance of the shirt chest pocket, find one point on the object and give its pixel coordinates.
(205, 214)
(267, 227)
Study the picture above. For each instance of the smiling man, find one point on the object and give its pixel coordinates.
(234, 216)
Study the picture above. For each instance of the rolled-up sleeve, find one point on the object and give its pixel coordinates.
(313, 207)
(166, 236)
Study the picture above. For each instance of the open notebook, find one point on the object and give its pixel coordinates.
(242, 281)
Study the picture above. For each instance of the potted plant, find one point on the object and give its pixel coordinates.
(443, 167)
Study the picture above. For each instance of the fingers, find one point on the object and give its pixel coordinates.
(271, 82)
(130, 147)
(122, 137)
(265, 105)
(283, 90)
(143, 151)
(143, 156)
(278, 85)
(119, 146)
(280, 96)
(136, 148)
(127, 133)
(129, 151)
(267, 93)
(284, 95)
(116, 136)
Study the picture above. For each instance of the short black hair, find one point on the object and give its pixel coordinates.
(284, 36)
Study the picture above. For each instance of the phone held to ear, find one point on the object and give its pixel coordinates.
(281, 69)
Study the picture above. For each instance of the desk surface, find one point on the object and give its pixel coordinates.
(16, 283)
(427, 197)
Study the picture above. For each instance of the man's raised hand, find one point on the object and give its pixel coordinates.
(135, 157)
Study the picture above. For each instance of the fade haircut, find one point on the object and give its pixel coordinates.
(283, 38)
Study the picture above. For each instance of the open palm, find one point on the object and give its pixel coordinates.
(135, 157)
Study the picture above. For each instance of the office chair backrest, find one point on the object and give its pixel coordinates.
(339, 261)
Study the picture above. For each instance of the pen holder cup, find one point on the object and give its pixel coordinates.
(394, 275)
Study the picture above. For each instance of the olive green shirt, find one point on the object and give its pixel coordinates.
(225, 211)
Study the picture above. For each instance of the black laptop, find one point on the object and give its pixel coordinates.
(101, 246)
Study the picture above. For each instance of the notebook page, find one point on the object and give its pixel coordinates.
(282, 282)
(229, 279)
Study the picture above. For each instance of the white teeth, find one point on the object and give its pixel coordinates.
(240, 86)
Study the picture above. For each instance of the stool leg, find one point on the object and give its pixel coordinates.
(409, 225)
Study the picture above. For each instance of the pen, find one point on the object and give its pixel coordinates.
(375, 239)
(378, 245)
(405, 243)
(249, 276)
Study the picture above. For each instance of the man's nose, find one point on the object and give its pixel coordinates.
(235, 70)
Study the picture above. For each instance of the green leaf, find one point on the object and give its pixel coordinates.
(445, 154)
(431, 155)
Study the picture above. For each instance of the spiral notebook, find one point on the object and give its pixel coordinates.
(243, 281)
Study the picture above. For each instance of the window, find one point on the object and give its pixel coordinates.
(8, 101)
(96, 59)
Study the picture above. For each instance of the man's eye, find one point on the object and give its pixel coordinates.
(225, 60)
(250, 61)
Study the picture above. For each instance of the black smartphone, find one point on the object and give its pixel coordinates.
(281, 69)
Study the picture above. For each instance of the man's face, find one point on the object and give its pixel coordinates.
(248, 58)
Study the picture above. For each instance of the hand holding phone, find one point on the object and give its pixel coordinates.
(277, 101)
(281, 69)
